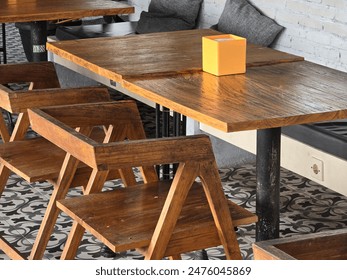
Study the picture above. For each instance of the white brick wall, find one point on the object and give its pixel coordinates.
(315, 29)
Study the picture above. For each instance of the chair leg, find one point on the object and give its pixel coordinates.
(47, 225)
(73, 241)
(175, 257)
(220, 210)
(95, 184)
(185, 177)
(21, 127)
(9, 251)
(4, 175)
(62, 186)
(127, 176)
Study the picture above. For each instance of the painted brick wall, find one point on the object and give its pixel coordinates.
(315, 29)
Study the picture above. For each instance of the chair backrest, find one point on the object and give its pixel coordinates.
(52, 120)
(36, 75)
(120, 119)
(19, 101)
(44, 90)
(41, 74)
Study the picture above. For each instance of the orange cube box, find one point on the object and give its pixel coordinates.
(224, 54)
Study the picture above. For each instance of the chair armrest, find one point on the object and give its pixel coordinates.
(149, 152)
(58, 125)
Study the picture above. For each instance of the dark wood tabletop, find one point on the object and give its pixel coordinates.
(41, 10)
(265, 97)
(164, 53)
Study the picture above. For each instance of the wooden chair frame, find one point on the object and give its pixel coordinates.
(126, 125)
(195, 157)
(40, 75)
(44, 90)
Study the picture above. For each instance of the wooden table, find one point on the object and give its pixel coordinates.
(277, 90)
(119, 58)
(266, 98)
(38, 12)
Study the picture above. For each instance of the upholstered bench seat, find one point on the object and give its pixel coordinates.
(330, 137)
(96, 30)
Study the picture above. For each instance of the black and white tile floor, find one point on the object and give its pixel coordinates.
(306, 206)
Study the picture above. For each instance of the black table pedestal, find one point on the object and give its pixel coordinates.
(39, 40)
(268, 183)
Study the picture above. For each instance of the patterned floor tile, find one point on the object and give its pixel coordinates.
(306, 208)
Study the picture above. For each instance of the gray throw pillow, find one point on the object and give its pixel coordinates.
(169, 15)
(154, 22)
(240, 18)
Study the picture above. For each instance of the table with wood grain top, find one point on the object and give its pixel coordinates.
(278, 89)
(38, 12)
(265, 98)
(166, 53)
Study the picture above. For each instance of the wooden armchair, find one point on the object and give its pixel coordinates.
(49, 162)
(44, 90)
(159, 218)
(36, 159)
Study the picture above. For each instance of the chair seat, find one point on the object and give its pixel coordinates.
(41, 163)
(126, 218)
(32, 164)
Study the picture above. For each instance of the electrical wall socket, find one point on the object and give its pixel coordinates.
(316, 168)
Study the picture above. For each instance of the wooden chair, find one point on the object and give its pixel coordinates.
(48, 162)
(159, 218)
(35, 159)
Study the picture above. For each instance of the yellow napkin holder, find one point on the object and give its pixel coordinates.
(224, 54)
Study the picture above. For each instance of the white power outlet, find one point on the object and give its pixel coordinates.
(317, 168)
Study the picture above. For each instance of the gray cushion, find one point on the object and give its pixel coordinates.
(168, 15)
(240, 18)
(152, 22)
(329, 137)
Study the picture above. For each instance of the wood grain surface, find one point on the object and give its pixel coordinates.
(166, 53)
(265, 97)
(328, 245)
(108, 216)
(30, 72)
(40, 10)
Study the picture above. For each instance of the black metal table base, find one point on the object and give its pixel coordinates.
(3, 48)
(39, 40)
(268, 183)
(167, 126)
